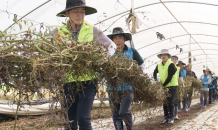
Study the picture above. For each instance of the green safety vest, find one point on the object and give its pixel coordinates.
(85, 35)
(163, 74)
(178, 71)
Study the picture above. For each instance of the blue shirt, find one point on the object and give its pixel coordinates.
(205, 79)
(184, 71)
(131, 54)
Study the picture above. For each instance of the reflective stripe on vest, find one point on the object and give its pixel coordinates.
(85, 35)
(163, 74)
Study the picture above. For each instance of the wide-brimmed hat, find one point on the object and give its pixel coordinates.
(71, 4)
(207, 70)
(119, 30)
(164, 51)
(180, 62)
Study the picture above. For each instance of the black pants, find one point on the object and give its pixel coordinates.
(168, 106)
(210, 96)
(78, 100)
(214, 94)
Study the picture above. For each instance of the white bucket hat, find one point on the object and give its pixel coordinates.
(164, 51)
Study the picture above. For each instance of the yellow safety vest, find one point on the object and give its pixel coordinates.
(163, 73)
(178, 71)
(85, 35)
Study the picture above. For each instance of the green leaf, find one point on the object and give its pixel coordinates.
(15, 20)
(5, 32)
(24, 22)
(20, 26)
(52, 41)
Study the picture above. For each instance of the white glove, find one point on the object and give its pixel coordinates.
(181, 79)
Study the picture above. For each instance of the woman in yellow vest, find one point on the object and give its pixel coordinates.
(78, 104)
(168, 78)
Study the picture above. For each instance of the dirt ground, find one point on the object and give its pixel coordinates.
(154, 123)
(39, 122)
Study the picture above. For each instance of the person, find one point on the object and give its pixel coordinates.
(174, 59)
(205, 79)
(168, 78)
(213, 83)
(184, 101)
(78, 104)
(215, 89)
(121, 110)
(190, 92)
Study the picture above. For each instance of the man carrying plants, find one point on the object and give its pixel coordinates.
(184, 73)
(205, 79)
(174, 59)
(168, 78)
(80, 90)
(190, 92)
(120, 98)
(213, 83)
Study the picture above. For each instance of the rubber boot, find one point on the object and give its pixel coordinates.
(118, 124)
(213, 100)
(166, 115)
(189, 103)
(179, 107)
(176, 113)
(201, 101)
(205, 103)
(171, 116)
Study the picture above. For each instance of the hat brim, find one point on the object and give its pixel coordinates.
(88, 10)
(127, 35)
(159, 55)
(181, 63)
(207, 70)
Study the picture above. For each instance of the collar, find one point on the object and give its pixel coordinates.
(125, 47)
(165, 63)
(71, 29)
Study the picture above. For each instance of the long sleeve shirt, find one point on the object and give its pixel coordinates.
(191, 73)
(171, 71)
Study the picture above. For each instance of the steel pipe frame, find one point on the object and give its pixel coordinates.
(175, 23)
(156, 4)
(176, 37)
(180, 46)
(186, 52)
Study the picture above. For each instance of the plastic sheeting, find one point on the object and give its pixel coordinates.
(198, 17)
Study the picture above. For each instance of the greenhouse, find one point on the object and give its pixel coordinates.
(42, 56)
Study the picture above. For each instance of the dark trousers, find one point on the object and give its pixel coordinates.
(120, 103)
(168, 106)
(214, 94)
(78, 99)
(210, 96)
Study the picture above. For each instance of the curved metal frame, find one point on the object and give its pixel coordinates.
(156, 4)
(175, 23)
(183, 45)
(175, 37)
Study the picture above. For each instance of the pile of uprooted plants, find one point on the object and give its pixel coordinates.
(30, 60)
